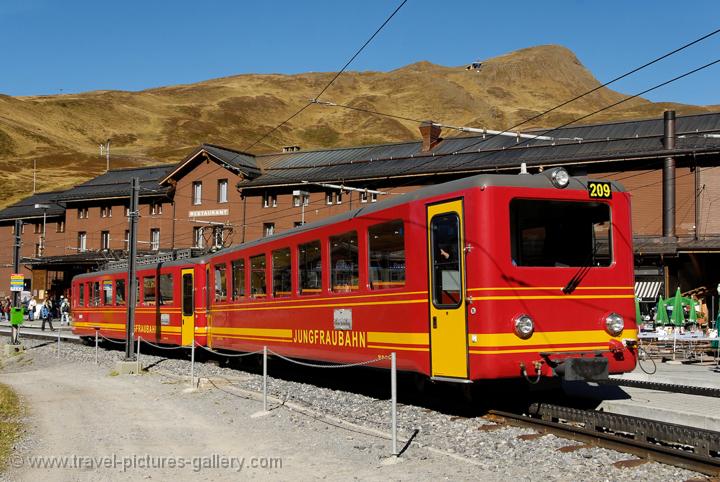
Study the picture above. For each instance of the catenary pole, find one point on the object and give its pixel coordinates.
(132, 281)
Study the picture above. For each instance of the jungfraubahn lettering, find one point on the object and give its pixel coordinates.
(354, 339)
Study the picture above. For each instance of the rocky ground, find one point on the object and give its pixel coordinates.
(336, 426)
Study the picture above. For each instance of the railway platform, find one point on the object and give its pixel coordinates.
(666, 406)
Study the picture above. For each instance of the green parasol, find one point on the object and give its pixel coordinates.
(661, 317)
(678, 316)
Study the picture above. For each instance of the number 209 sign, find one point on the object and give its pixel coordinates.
(601, 190)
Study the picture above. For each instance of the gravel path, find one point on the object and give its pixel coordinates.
(77, 408)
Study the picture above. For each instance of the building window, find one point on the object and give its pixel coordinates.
(197, 192)
(154, 239)
(363, 196)
(37, 228)
(105, 240)
(155, 208)
(60, 227)
(83, 213)
(37, 250)
(268, 229)
(269, 200)
(106, 212)
(82, 241)
(301, 198)
(338, 197)
(328, 198)
(126, 241)
(222, 191)
(198, 240)
(373, 197)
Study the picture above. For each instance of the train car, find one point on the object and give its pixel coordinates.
(488, 277)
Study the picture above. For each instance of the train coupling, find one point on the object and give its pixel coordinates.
(593, 369)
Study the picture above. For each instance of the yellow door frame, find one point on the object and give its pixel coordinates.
(447, 322)
(188, 319)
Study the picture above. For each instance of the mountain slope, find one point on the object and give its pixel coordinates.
(63, 132)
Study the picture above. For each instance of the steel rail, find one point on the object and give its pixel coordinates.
(665, 387)
(680, 446)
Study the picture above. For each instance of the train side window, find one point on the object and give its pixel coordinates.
(81, 294)
(220, 282)
(387, 255)
(95, 294)
(310, 268)
(107, 292)
(344, 262)
(282, 273)
(238, 279)
(149, 290)
(166, 289)
(120, 292)
(258, 283)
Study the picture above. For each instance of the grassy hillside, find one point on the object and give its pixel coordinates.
(62, 132)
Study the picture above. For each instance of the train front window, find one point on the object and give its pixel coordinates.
(560, 233)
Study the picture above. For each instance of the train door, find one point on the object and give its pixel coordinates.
(188, 306)
(448, 322)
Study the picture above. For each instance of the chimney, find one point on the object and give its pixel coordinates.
(430, 135)
(668, 177)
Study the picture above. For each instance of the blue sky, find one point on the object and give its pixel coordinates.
(54, 46)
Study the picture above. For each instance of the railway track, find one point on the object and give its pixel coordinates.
(665, 387)
(686, 447)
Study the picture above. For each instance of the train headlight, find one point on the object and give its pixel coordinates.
(614, 324)
(560, 178)
(524, 326)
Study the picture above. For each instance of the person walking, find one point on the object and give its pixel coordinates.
(64, 311)
(32, 304)
(45, 315)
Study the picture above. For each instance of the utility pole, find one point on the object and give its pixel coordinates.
(132, 281)
(16, 269)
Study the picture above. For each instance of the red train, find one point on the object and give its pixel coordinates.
(492, 276)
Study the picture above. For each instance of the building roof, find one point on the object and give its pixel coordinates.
(478, 153)
(233, 160)
(116, 184)
(26, 209)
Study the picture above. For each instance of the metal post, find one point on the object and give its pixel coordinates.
(393, 396)
(132, 281)
(137, 358)
(265, 404)
(668, 177)
(192, 364)
(96, 344)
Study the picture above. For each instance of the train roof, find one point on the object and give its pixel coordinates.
(540, 181)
